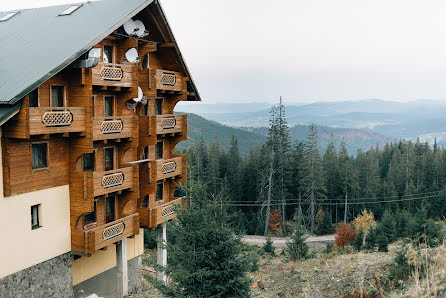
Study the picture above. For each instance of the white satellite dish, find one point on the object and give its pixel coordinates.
(140, 95)
(104, 58)
(130, 28)
(140, 29)
(132, 55)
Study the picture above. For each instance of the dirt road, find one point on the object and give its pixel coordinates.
(312, 241)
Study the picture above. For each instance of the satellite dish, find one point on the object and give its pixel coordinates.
(140, 29)
(132, 55)
(104, 58)
(130, 28)
(95, 53)
(140, 95)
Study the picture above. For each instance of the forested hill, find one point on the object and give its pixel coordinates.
(199, 127)
(255, 137)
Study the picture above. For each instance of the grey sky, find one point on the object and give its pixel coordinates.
(246, 50)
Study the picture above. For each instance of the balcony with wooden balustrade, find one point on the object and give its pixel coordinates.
(169, 124)
(168, 168)
(47, 120)
(114, 180)
(105, 235)
(169, 81)
(112, 74)
(152, 217)
(116, 127)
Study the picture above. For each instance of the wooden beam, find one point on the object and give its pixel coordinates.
(167, 45)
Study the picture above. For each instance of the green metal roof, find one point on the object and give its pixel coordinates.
(37, 43)
(8, 111)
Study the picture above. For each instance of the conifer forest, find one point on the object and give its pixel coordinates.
(283, 182)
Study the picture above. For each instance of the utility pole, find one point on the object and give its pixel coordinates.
(270, 186)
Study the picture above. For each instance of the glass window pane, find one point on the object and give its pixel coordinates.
(159, 150)
(57, 96)
(39, 155)
(108, 54)
(90, 217)
(34, 98)
(35, 217)
(88, 162)
(109, 160)
(108, 108)
(159, 192)
(159, 106)
(145, 62)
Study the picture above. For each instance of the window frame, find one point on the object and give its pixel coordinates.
(114, 157)
(47, 156)
(113, 53)
(29, 98)
(113, 104)
(162, 192)
(94, 162)
(162, 150)
(158, 99)
(65, 102)
(87, 224)
(37, 212)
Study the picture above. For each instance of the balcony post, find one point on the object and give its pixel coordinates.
(162, 251)
(122, 269)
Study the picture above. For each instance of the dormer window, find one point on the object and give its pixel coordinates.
(57, 96)
(70, 10)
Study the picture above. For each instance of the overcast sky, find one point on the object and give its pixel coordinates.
(256, 50)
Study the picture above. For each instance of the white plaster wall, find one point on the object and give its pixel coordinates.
(20, 246)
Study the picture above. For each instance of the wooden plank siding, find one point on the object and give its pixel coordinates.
(85, 91)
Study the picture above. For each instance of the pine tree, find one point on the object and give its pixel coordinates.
(205, 258)
(313, 179)
(325, 226)
(296, 248)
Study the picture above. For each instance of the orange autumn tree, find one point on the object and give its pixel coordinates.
(274, 221)
(365, 222)
(344, 235)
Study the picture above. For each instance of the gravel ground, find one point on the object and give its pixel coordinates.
(312, 241)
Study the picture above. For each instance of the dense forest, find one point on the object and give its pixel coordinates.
(280, 182)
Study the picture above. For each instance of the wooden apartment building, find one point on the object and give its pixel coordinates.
(87, 100)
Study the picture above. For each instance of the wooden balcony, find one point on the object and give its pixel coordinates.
(111, 74)
(114, 180)
(102, 236)
(169, 81)
(45, 121)
(169, 124)
(117, 127)
(151, 218)
(167, 168)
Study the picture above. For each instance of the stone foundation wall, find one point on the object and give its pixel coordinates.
(51, 278)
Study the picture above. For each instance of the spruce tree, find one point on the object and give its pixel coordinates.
(205, 259)
(296, 248)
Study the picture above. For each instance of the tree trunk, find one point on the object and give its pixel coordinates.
(268, 203)
(345, 209)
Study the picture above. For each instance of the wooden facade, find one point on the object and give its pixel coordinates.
(117, 156)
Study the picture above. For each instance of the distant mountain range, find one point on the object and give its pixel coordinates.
(255, 136)
(380, 119)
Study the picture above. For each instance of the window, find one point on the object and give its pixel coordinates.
(39, 155)
(35, 223)
(145, 153)
(109, 102)
(108, 56)
(145, 202)
(70, 10)
(110, 209)
(88, 162)
(109, 158)
(144, 109)
(159, 150)
(57, 96)
(34, 98)
(145, 62)
(90, 217)
(159, 192)
(158, 106)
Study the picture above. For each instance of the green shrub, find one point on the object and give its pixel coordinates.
(296, 248)
(268, 247)
(357, 242)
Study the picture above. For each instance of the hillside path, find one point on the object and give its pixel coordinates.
(312, 241)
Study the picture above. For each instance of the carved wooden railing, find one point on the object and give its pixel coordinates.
(168, 168)
(165, 212)
(172, 123)
(114, 180)
(169, 81)
(102, 236)
(48, 120)
(117, 127)
(111, 74)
